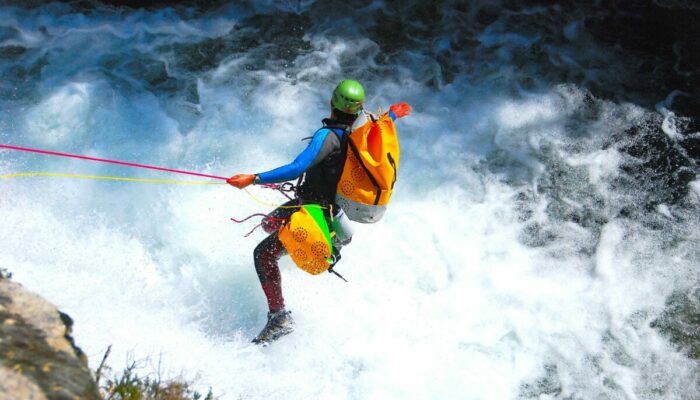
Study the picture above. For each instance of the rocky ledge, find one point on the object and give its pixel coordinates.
(38, 358)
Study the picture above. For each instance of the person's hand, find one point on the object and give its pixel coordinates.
(400, 110)
(241, 180)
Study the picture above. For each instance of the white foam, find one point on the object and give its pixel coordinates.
(601, 164)
(62, 117)
(695, 186)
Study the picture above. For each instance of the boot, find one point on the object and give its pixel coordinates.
(279, 323)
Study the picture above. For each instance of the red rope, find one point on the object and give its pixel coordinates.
(104, 160)
(239, 221)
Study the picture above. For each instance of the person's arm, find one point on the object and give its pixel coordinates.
(316, 151)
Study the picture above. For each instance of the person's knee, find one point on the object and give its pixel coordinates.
(270, 224)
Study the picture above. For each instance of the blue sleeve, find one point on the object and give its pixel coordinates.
(300, 164)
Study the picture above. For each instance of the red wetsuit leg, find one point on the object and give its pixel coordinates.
(266, 255)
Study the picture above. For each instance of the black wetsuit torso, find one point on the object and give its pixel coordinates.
(319, 182)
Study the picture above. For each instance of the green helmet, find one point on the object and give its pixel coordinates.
(348, 97)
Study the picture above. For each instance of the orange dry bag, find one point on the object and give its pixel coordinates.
(370, 169)
(307, 239)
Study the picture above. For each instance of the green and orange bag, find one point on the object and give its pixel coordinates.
(307, 239)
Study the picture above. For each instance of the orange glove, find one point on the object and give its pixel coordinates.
(400, 110)
(241, 180)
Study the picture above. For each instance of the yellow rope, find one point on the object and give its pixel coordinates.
(109, 178)
(143, 180)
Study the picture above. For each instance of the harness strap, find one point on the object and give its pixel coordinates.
(336, 274)
(335, 257)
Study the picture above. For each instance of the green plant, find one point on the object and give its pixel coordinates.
(128, 384)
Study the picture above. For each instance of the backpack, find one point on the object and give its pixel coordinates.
(370, 169)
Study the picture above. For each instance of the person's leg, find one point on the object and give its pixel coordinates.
(279, 320)
(265, 256)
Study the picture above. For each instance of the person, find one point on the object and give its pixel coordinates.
(320, 165)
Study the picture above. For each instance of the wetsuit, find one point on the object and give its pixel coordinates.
(322, 164)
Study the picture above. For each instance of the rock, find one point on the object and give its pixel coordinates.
(5, 274)
(38, 358)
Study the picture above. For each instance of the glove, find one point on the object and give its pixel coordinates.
(400, 110)
(241, 180)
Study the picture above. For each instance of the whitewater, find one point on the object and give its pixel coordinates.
(523, 254)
